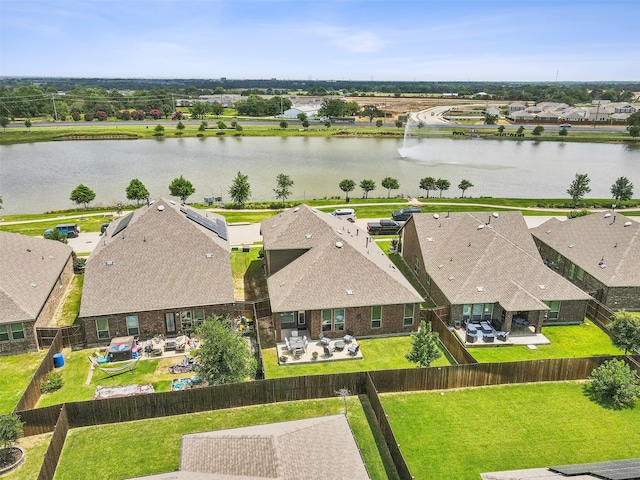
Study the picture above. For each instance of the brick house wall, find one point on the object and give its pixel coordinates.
(149, 323)
(28, 344)
(357, 322)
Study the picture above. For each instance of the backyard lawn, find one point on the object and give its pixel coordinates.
(379, 354)
(76, 369)
(146, 447)
(568, 341)
(465, 432)
(35, 447)
(15, 374)
(249, 280)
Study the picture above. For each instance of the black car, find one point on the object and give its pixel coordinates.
(384, 227)
(404, 214)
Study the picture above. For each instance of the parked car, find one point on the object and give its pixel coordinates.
(384, 227)
(346, 213)
(404, 214)
(565, 125)
(70, 230)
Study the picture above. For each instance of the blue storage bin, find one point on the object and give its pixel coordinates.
(58, 360)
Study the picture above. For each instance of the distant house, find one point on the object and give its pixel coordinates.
(327, 276)
(515, 107)
(599, 253)
(522, 115)
(311, 111)
(161, 269)
(486, 267)
(34, 275)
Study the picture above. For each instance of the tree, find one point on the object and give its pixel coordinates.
(199, 109)
(284, 183)
(634, 130)
(302, 116)
(332, 107)
(634, 119)
(240, 190)
(420, 124)
(224, 355)
(203, 127)
(399, 123)
(490, 119)
(4, 121)
(501, 129)
(56, 235)
(159, 130)
(442, 184)
(181, 188)
(520, 130)
(424, 346)
(538, 131)
(10, 431)
(27, 123)
(180, 126)
(327, 124)
(217, 109)
(614, 384)
(371, 111)
(390, 184)
(579, 187)
(367, 185)
(428, 183)
(305, 123)
(625, 332)
(347, 186)
(137, 191)
(622, 189)
(378, 123)
(563, 132)
(464, 185)
(283, 124)
(82, 195)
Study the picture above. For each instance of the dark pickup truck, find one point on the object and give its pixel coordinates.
(404, 214)
(384, 227)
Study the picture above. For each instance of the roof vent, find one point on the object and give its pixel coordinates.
(208, 255)
(451, 278)
(542, 287)
(296, 209)
(440, 266)
(480, 289)
(172, 202)
(308, 236)
(436, 216)
(29, 250)
(160, 208)
(607, 215)
(495, 214)
(339, 232)
(338, 244)
(429, 239)
(152, 202)
(627, 224)
(481, 226)
(548, 232)
(110, 262)
(34, 285)
(602, 265)
(349, 292)
(571, 245)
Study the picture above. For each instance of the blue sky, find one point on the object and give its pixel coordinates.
(428, 40)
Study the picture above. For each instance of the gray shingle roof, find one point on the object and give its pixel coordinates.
(322, 447)
(160, 260)
(597, 238)
(474, 261)
(325, 273)
(29, 269)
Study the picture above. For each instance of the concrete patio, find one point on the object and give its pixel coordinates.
(529, 337)
(318, 348)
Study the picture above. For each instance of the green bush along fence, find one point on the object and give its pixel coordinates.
(31, 395)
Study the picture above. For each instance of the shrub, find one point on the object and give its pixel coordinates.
(10, 431)
(614, 384)
(578, 213)
(52, 382)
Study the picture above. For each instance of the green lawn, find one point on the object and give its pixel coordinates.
(249, 280)
(15, 374)
(568, 341)
(37, 228)
(146, 447)
(469, 431)
(379, 354)
(71, 306)
(76, 369)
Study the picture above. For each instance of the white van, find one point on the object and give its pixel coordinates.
(346, 213)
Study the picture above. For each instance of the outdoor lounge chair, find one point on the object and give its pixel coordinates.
(111, 371)
(329, 351)
(353, 349)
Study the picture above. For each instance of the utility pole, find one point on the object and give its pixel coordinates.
(55, 112)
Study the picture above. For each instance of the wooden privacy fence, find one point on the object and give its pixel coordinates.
(451, 341)
(600, 314)
(31, 395)
(51, 458)
(73, 336)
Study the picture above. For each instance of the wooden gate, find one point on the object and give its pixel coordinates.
(73, 336)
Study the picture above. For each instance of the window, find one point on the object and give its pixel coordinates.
(376, 316)
(554, 312)
(466, 311)
(488, 311)
(186, 321)
(416, 264)
(428, 278)
(4, 333)
(558, 258)
(338, 316)
(198, 317)
(572, 270)
(287, 318)
(132, 325)
(302, 318)
(477, 311)
(17, 331)
(327, 319)
(102, 327)
(170, 322)
(408, 314)
(580, 274)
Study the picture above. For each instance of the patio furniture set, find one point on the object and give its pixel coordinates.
(339, 345)
(483, 330)
(296, 345)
